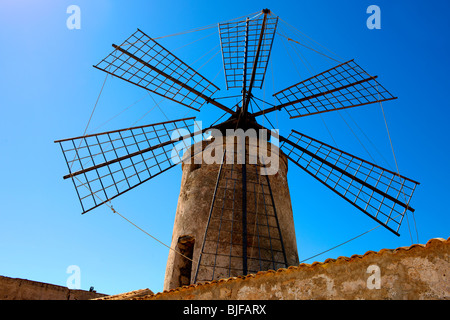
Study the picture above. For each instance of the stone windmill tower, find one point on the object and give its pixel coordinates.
(232, 218)
(234, 213)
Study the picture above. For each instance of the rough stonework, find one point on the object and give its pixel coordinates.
(22, 289)
(417, 272)
(197, 187)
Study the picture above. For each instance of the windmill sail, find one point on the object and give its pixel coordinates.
(344, 86)
(380, 193)
(106, 165)
(142, 61)
(240, 41)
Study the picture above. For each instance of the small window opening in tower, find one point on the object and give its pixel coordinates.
(186, 248)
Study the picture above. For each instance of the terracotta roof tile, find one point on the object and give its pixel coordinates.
(340, 259)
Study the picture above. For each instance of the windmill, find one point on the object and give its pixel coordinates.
(242, 220)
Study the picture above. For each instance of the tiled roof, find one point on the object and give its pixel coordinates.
(128, 295)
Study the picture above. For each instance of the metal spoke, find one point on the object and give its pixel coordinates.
(114, 162)
(233, 39)
(143, 62)
(378, 192)
(344, 86)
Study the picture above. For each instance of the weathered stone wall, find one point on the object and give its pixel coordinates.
(197, 187)
(407, 273)
(22, 289)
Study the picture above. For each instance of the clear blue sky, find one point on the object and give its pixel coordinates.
(49, 87)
